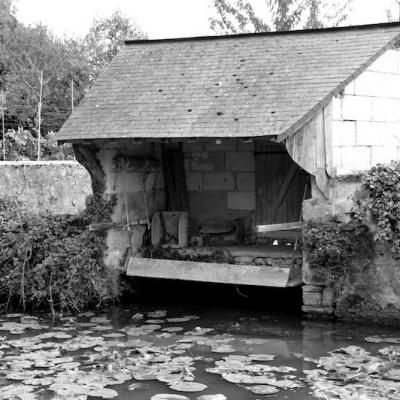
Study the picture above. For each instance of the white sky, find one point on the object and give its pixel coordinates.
(158, 18)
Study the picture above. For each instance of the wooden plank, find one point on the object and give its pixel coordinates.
(283, 190)
(328, 140)
(102, 226)
(209, 272)
(289, 226)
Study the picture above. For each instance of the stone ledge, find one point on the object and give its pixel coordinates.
(318, 310)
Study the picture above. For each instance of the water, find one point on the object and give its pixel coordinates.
(292, 340)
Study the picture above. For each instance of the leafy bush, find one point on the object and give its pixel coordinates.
(54, 262)
(331, 246)
(379, 203)
(22, 145)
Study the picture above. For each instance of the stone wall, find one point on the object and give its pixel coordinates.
(366, 118)
(365, 132)
(221, 179)
(59, 187)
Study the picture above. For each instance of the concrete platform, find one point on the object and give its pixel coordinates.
(255, 275)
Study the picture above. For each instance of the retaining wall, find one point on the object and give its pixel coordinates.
(59, 187)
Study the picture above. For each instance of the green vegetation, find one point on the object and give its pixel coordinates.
(38, 71)
(379, 203)
(54, 262)
(332, 246)
(235, 16)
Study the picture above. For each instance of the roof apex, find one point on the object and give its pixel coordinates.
(269, 33)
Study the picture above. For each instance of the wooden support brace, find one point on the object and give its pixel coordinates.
(102, 226)
(283, 190)
(289, 226)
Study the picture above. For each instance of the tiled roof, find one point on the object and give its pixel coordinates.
(227, 86)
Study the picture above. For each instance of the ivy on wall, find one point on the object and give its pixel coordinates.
(331, 246)
(378, 203)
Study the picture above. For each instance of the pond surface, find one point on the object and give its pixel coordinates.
(193, 352)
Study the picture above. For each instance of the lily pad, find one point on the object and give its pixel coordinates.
(186, 318)
(173, 329)
(263, 389)
(188, 386)
(168, 396)
(157, 314)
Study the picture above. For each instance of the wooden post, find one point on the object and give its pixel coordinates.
(3, 103)
(72, 95)
(40, 114)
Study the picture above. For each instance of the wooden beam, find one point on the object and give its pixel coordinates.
(102, 226)
(288, 226)
(210, 272)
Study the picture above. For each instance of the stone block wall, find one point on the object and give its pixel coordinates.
(221, 179)
(59, 187)
(366, 118)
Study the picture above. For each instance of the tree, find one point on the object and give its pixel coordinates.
(38, 70)
(106, 36)
(235, 16)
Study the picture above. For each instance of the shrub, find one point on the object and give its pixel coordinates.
(54, 262)
(331, 247)
(21, 145)
(379, 203)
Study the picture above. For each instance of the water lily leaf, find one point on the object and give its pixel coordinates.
(87, 314)
(103, 393)
(145, 376)
(261, 357)
(113, 335)
(173, 329)
(222, 349)
(154, 321)
(199, 331)
(17, 392)
(157, 314)
(187, 386)
(212, 397)
(186, 318)
(373, 339)
(100, 320)
(138, 386)
(262, 389)
(393, 375)
(54, 335)
(103, 328)
(39, 381)
(168, 396)
(22, 375)
(255, 341)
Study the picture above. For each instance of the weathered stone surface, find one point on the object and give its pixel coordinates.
(206, 161)
(194, 182)
(312, 276)
(327, 297)
(316, 209)
(246, 181)
(312, 299)
(374, 292)
(318, 310)
(312, 288)
(219, 181)
(59, 187)
(240, 161)
(241, 200)
(244, 260)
